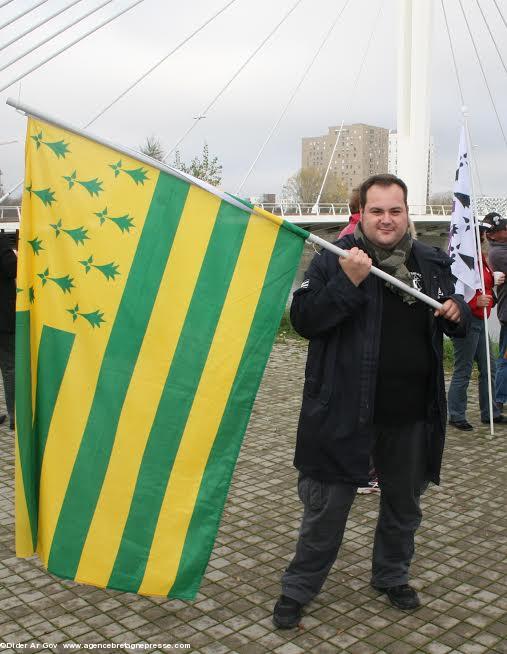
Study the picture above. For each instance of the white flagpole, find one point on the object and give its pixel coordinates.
(379, 273)
(31, 111)
(481, 268)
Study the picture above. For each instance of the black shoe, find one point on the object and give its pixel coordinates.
(287, 613)
(2, 418)
(403, 597)
(496, 420)
(461, 424)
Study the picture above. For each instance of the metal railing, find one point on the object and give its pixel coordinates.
(433, 210)
(9, 214)
(342, 209)
(286, 208)
(9, 218)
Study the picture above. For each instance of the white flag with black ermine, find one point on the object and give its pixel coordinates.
(462, 241)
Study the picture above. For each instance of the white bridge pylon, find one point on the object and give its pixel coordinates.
(413, 120)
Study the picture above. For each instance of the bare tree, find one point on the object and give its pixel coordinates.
(304, 187)
(204, 167)
(444, 197)
(152, 148)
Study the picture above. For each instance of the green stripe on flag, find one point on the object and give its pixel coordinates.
(178, 395)
(118, 364)
(217, 477)
(54, 351)
(295, 229)
(23, 394)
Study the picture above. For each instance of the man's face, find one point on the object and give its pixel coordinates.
(384, 217)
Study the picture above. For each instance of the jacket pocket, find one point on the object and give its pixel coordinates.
(316, 390)
(312, 492)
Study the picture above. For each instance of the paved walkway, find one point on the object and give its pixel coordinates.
(460, 569)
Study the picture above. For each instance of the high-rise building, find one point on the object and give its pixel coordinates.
(362, 150)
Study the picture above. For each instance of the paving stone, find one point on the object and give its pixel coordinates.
(112, 629)
(289, 648)
(460, 565)
(473, 648)
(233, 641)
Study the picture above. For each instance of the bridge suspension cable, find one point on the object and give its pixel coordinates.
(204, 113)
(292, 97)
(70, 45)
(161, 61)
(456, 71)
(492, 36)
(350, 96)
(7, 64)
(475, 168)
(484, 74)
(500, 12)
(23, 13)
(41, 22)
(16, 186)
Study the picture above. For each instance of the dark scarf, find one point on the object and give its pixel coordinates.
(390, 261)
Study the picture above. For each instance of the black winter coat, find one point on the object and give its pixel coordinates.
(343, 325)
(8, 265)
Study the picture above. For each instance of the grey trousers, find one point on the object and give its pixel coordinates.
(400, 459)
(7, 368)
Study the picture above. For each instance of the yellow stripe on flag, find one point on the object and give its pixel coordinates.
(146, 386)
(78, 386)
(208, 406)
(67, 426)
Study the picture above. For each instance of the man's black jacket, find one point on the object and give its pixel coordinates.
(343, 325)
(8, 264)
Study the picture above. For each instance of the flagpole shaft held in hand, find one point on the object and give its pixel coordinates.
(379, 273)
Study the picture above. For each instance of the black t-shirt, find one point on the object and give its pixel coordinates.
(405, 357)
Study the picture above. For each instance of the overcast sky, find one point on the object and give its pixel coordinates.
(77, 84)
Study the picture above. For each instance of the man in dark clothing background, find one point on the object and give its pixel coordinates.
(8, 266)
(374, 387)
(497, 257)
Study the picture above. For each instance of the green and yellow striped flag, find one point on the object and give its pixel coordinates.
(147, 308)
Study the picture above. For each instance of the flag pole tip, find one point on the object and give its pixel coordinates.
(464, 110)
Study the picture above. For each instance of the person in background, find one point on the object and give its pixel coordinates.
(473, 348)
(354, 214)
(8, 266)
(497, 256)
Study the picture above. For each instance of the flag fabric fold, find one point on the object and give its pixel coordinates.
(462, 235)
(147, 308)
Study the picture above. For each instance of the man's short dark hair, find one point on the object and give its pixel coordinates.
(386, 179)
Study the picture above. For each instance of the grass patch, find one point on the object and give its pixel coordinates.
(286, 330)
(449, 353)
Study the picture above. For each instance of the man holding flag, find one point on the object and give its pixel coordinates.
(374, 387)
